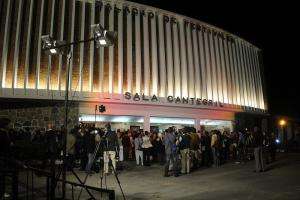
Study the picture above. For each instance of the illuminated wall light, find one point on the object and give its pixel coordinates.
(208, 122)
(171, 120)
(111, 118)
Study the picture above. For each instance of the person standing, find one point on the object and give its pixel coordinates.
(121, 152)
(258, 143)
(215, 141)
(138, 149)
(110, 149)
(146, 148)
(205, 149)
(169, 142)
(184, 147)
(90, 148)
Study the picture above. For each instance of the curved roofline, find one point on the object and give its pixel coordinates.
(143, 6)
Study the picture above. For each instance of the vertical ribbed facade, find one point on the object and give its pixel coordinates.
(156, 52)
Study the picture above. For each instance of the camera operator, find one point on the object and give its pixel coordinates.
(110, 148)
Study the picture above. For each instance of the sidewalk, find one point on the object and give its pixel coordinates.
(230, 181)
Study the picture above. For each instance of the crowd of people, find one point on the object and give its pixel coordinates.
(179, 150)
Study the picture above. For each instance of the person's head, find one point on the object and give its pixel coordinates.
(108, 127)
(255, 129)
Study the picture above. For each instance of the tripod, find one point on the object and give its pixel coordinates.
(102, 171)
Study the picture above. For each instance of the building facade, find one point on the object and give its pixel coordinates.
(164, 68)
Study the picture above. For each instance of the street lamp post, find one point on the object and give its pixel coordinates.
(282, 124)
(102, 38)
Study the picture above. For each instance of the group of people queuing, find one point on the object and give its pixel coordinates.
(179, 150)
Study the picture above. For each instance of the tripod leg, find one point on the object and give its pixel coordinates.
(86, 177)
(117, 178)
(77, 177)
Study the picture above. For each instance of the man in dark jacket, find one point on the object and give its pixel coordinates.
(257, 144)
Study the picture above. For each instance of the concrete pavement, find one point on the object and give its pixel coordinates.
(230, 181)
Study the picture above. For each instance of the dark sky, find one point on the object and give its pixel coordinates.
(272, 27)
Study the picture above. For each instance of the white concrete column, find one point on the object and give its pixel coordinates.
(227, 66)
(197, 125)
(235, 73)
(254, 77)
(48, 82)
(111, 54)
(245, 57)
(81, 54)
(196, 64)
(101, 52)
(213, 67)
(219, 70)
(184, 85)
(254, 104)
(243, 73)
(202, 64)
(28, 42)
(261, 103)
(138, 61)
(176, 79)
(154, 55)
(120, 50)
(162, 56)
(147, 123)
(170, 72)
(231, 70)
(61, 37)
(146, 55)
(17, 47)
(91, 60)
(191, 79)
(251, 89)
(129, 51)
(248, 97)
(223, 70)
(38, 57)
(72, 47)
(5, 44)
(208, 65)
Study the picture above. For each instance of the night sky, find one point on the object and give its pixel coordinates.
(272, 27)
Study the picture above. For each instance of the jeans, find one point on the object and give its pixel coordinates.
(138, 156)
(146, 153)
(185, 161)
(90, 162)
(215, 156)
(121, 154)
(259, 162)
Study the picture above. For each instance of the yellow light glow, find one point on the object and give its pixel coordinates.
(282, 122)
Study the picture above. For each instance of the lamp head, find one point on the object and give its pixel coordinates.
(102, 37)
(53, 47)
(282, 122)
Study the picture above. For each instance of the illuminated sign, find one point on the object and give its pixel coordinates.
(172, 99)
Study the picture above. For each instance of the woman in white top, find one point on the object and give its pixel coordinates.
(146, 148)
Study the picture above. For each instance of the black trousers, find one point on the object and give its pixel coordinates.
(146, 152)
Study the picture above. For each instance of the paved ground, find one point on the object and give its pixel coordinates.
(230, 181)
